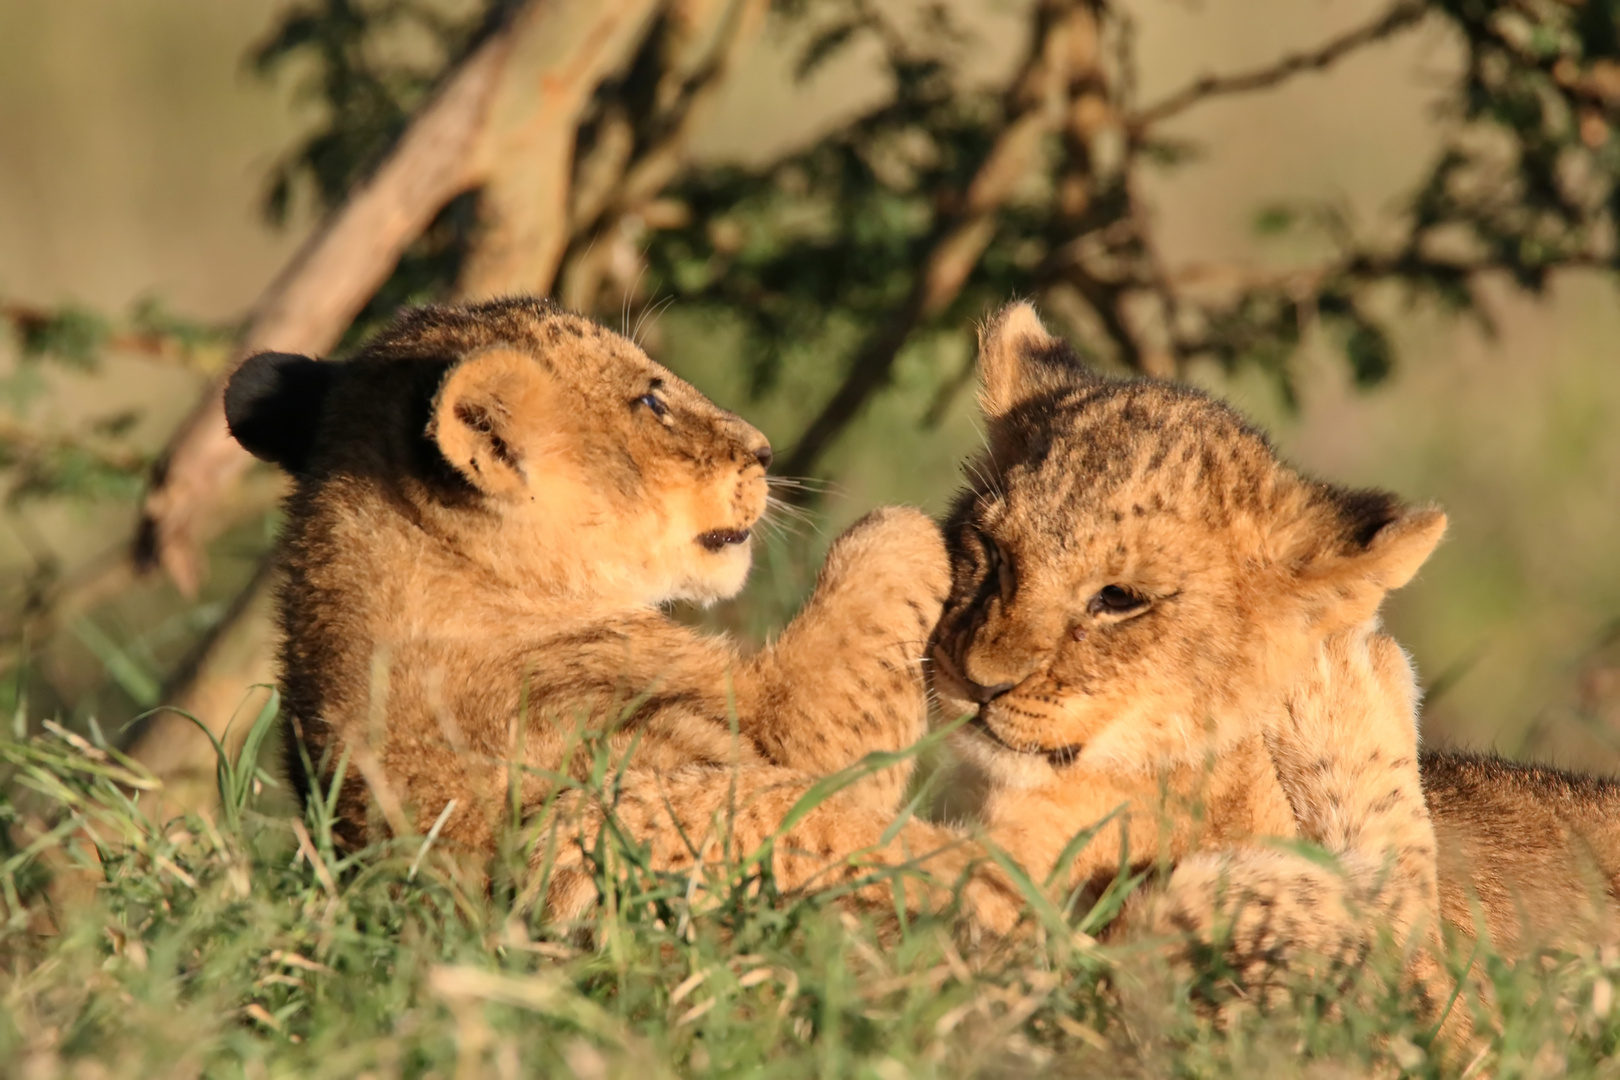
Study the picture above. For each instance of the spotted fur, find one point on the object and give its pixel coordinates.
(490, 504)
(1254, 576)
(1137, 580)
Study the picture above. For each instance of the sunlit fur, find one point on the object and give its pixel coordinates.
(490, 504)
(1151, 615)
(1242, 566)
(1237, 701)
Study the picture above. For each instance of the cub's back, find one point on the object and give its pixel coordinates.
(1539, 847)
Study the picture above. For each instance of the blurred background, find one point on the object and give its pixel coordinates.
(1385, 231)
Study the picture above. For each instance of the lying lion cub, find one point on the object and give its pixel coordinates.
(490, 504)
(1136, 576)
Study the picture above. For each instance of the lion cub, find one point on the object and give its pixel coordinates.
(490, 503)
(1137, 581)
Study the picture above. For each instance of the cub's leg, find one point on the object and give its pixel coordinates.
(845, 678)
(703, 819)
(1157, 819)
(1347, 758)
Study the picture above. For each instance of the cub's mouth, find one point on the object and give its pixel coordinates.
(1056, 757)
(720, 539)
(945, 671)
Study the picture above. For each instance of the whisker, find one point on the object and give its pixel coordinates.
(629, 298)
(796, 527)
(790, 509)
(773, 528)
(789, 518)
(805, 483)
(651, 311)
(987, 480)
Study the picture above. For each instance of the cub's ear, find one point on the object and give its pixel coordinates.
(1394, 553)
(273, 403)
(486, 414)
(1018, 359)
(1366, 543)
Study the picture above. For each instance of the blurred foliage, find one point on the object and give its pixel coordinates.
(209, 949)
(96, 461)
(809, 266)
(816, 250)
(369, 66)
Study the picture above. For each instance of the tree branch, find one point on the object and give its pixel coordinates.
(1398, 17)
(562, 52)
(621, 179)
(1033, 111)
(528, 82)
(309, 305)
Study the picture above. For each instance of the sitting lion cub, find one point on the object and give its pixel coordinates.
(490, 504)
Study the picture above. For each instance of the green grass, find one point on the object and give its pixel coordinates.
(245, 944)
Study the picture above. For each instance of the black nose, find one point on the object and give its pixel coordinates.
(986, 694)
(765, 456)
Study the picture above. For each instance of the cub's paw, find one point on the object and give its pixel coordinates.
(1362, 690)
(1346, 753)
(894, 554)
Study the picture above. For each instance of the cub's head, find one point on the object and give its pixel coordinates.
(550, 452)
(1136, 576)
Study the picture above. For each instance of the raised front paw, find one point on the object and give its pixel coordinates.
(845, 679)
(1346, 752)
(894, 557)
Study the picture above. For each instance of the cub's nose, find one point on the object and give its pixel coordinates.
(764, 455)
(984, 695)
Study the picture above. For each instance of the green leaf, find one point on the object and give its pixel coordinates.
(1370, 353)
(1275, 219)
(126, 671)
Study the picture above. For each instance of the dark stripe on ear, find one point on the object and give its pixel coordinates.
(273, 403)
(1363, 514)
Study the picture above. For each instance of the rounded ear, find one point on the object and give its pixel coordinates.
(484, 415)
(1362, 545)
(273, 402)
(1396, 551)
(1019, 359)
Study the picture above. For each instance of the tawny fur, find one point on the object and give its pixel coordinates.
(1529, 855)
(1254, 578)
(490, 505)
(1136, 581)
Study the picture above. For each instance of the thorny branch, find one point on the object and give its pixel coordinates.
(1398, 17)
(1032, 110)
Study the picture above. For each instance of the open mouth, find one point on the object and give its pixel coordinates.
(720, 539)
(1063, 755)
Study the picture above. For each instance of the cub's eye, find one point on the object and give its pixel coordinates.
(654, 404)
(1117, 600)
(992, 554)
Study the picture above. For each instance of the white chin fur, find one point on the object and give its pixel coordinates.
(719, 576)
(1004, 768)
